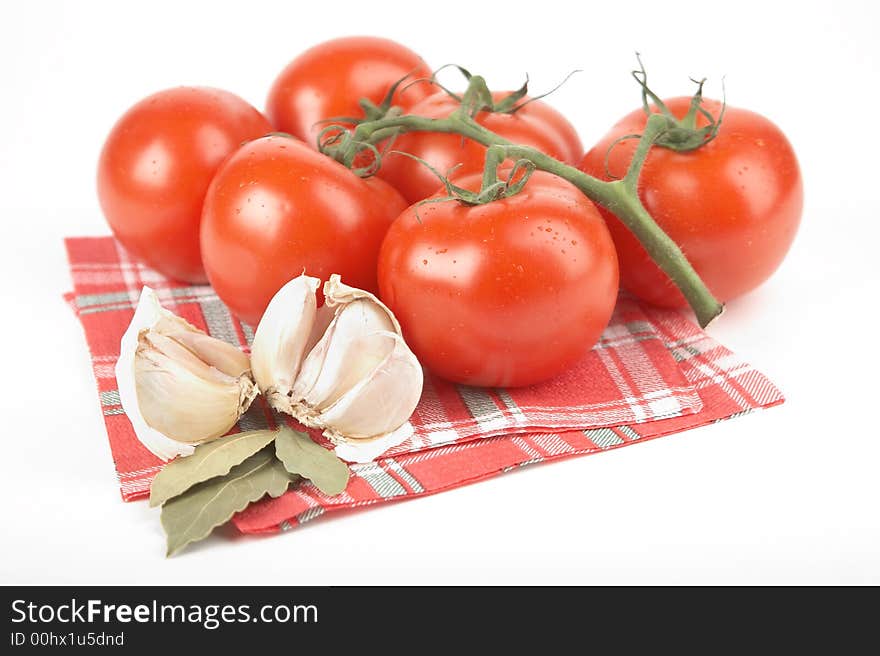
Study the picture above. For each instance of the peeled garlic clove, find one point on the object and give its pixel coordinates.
(177, 385)
(323, 317)
(186, 403)
(383, 399)
(337, 363)
(222, 355)
(332, 366)
(281, 339)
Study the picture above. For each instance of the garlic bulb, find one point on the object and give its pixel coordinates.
(178, 386)
(359, 381)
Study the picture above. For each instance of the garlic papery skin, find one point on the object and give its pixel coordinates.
(337, 293)
(281, 338)
(363, 451)
(178, 386)
(359, 382)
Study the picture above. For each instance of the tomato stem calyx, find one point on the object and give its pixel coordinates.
(492, 188)
(681, 134)
(479, 98)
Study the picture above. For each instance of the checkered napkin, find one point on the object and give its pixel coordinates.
(652, 373)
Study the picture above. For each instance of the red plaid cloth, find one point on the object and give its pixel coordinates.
(652, 373)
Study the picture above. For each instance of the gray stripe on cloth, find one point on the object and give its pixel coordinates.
(248, 333)
(106, 308)
(481, 406)
(511, 405)
(682, 353)
(603, 437)
(690, 347)
(385, 485)
(639, 327)
(254, 418)
(405, 475)
(219, 321)
(110, 398)
(193, 292)
(310, 514)
(88, 300)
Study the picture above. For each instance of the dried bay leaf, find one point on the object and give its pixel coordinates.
(207, 461)
(302, 456)
(192, 515)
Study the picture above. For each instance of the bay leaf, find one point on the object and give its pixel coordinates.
(207, 461)
(192, 516)
(310, 460)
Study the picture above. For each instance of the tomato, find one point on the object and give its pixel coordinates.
(536, 124)
(276, 209)
(155, 168)
(508, 293)
(328, 80)
(733, 205)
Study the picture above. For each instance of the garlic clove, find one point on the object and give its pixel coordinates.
(158, 348)
(382, 400)
(184, 403)
(344, 368)
(338, 362)
(356, 312)
(281, 339)
(177, 385)
(323, 316)
(337, 292)
(221, 355)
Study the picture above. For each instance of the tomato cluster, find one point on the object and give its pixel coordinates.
(203, 187)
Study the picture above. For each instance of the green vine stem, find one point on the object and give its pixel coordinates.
(619, 196)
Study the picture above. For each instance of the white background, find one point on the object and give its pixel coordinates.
(788, 495)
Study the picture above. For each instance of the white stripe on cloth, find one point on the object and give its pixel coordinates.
(628, 394)
(385, 485)
(398, 469)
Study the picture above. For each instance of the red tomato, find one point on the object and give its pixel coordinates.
(733, 205)
(328, 80)
(537, 124)
(507, 293)
(276, 209)
(155, 168)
